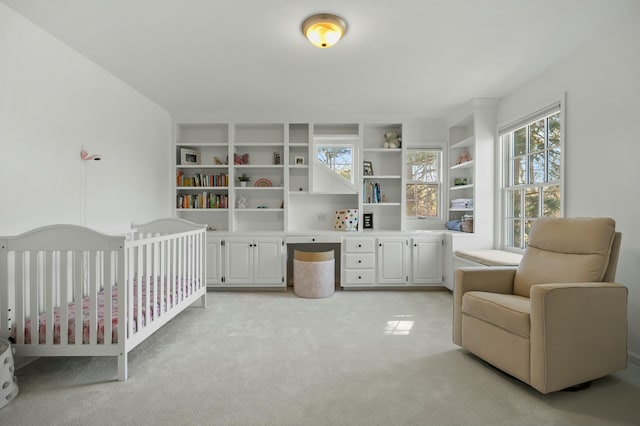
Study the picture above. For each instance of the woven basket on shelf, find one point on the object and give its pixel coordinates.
(8, 382)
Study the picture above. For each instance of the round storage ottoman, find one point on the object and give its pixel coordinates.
(313, 274)
(8, 384)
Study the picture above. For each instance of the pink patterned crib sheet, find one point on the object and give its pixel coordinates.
(182, 290)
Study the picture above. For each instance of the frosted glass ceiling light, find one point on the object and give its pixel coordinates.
(324, 30)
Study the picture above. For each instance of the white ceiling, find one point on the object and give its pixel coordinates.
(414, 58)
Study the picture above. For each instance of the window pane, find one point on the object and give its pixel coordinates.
(515, 230)
(551, 199)
(520, 142)
(536, 136)
(554, 130)
(537, 168)
(513, 203)
(412, 208)
(554, 165)
(519, 171)
(423, 196)
(531, 202)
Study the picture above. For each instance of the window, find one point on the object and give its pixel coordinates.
(533, 176)
(424, 181)
(338, 158)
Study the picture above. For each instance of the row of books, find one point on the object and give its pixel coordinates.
(372, 192)
(203, 201)
(200, 179)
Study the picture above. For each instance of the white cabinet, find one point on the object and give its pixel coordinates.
(254, 262)
(427, 267)
(214, 261)
(358, 262)
(392, 261)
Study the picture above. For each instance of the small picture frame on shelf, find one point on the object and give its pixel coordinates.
(367, 168)
(189, 157)
(299, 160)
(367, 221)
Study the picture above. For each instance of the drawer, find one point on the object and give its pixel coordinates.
(356, 245)
(354, 276)
(364, 260)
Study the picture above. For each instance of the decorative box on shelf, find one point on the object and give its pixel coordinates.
(346, 220)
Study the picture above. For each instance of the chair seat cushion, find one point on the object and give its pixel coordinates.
(507, 311)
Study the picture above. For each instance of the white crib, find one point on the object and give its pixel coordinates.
(63, 275)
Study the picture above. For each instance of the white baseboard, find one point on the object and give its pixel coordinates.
(634, 358)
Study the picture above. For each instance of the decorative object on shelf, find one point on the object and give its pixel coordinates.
(189, 156)
(463, 157)
(460, 181)
(367, 220)
(324, 29)
(392, 140)
(263, 183)
(240, 159)
(243, 202)
(243, 179)
(261, 207)
(276, 158)
(367, 168)
(299, 161)
(346, 220)
(86, 157)
(217, 161)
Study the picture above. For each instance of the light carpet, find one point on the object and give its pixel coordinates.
(271, 358)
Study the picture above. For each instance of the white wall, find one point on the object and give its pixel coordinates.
(52, 101)
(602, 83)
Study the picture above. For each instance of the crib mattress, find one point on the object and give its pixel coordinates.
(182, 290)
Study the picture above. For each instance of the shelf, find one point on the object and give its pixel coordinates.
(202, 210)
(380, 204)
(299, 192)
(258, 144)
(199, 188)
(298, 145)
(385, 150)
(259, 188)
(464, 165)
(454, 188)
(460, 210)
(202, 166)
(464, 143)
(258, 166)
(202, 144)
(382, 177)
(298, 166)
(259, 210)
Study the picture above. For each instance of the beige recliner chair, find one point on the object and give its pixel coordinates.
(557, 320)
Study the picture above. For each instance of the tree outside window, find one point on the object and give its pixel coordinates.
(424, 179)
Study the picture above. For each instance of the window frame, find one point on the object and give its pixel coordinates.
(507, 182)
(438, 184)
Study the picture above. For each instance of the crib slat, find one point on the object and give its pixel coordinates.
(5, 315)
(139, 278)
(34, 310)
(162, 276)
(94, 284)
(146, 284)
(63, 265)
(47, 281)
(78, 293)
(172, 272)
(107, 292)
(128, 307)
(20, 286)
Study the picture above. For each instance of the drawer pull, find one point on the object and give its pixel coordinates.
(359, 261)
(359, 277)
(359, 245)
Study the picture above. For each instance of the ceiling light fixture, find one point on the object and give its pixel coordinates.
(324, 29)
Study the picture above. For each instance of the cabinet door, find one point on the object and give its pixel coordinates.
(214, 261)
(268, 261)
(238, 261)
(427, 260)
(392, 253)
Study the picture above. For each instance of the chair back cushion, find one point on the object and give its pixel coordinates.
(565, 250)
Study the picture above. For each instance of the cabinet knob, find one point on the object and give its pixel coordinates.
(359, 277)
(313, 239)
(359, 245)
(380, 245)
(359, 261)
(415, 245)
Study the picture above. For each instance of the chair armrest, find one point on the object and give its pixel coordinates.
(578, 333)
(497, 279)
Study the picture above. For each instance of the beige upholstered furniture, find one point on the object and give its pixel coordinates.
(557, 320)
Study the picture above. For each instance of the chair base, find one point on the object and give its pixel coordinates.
(577, 388)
